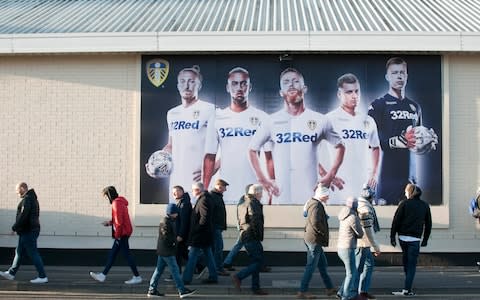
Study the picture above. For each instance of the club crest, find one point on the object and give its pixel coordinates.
(157, 71)
(312, 124)
(196, 114)
(254, 121)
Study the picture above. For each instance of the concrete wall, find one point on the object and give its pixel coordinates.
(70, 125)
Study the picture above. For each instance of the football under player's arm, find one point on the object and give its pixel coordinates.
(330, 176)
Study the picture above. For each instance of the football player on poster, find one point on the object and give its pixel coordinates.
(296, 132)
(231, 130)
(401, 134)
(187, 129)
(359, 133)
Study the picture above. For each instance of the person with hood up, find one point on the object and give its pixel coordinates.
(27, 226)
(121, 232)
(182, 223)
(166, 250)
(364, 257)
(316, 236)
(349, 231)
(411, 219)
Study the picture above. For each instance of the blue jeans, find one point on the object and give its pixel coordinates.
(235, 249)
(255, 253)
(171, 262)
(27, 244)
(349, 287)
(315, 258)
(410, 251)
(192, 261)
(217, 249)
(120, 245)
(365, 263)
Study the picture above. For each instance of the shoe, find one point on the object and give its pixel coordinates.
(187, 293)
(39, 280)
(168, 279)
(203, 272)
(98, 276)
(403, 293)
(223, 273)
(154, 294)
(331, 292)
(7, 275)
(209, 281)
(265, 269)
(134, 280)
(228, 267)
(260, 292)
(236, 282)
(305, 295)
(366, 295)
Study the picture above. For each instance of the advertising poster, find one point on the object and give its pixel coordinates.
(290, 122)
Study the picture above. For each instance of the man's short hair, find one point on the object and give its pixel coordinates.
(198, 185)
(238, 70)
(291, 70)
(395, 61)
(346, 78)
(195, 69)
(178, 187)
(23, 185)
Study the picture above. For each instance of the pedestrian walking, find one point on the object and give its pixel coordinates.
(27, 227)
(219, 223)
(166, 251)
(411, 219)
(121, 232)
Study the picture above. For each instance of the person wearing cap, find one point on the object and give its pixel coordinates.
(349, 231)
(364, 258)
(412, 219)
(219, 223)
(166, 251)
(316, 236)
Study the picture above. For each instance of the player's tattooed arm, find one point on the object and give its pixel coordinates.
(372, 181)
(329, 177)
(269, 185)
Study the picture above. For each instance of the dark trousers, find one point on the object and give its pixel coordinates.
(410, 251)
(121, 245)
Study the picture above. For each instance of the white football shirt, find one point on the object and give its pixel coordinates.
(187, 127)
(359, 134)
(231, 132)
(295, 142)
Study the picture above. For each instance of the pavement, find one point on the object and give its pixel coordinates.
(74, 282)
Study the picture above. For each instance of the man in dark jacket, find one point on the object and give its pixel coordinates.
(219, 223)
(27, 226)
(250, 215)
(412, 218)
(201, 235)
(166, 250)
(182, 223)
(315, 237)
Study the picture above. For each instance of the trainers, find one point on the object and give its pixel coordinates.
(203, 272)
(7, 275)
(98, 276)
(305, 295)
(154, 294)
(134, 280)
(39, 280)
(366, 295)
(403, 293)
(168, 279)
(186, 293)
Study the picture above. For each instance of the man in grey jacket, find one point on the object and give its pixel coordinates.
(364, 257)
(316, 236)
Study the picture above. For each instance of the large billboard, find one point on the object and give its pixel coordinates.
(290, 122)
